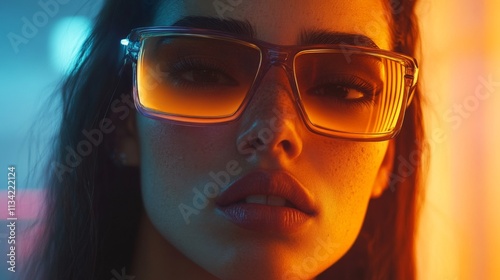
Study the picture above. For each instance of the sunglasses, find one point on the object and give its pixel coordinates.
(203, 77)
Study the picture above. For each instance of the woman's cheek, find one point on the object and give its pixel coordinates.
(346, 172)
(176, 159)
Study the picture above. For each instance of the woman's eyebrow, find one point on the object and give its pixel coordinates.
(307, 37)
(311, 37)
(233, 26)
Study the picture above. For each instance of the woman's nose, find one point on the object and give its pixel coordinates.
(270, 130)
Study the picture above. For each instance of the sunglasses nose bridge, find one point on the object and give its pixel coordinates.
(277, 57)
(280, 58)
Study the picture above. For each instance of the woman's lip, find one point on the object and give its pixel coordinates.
(266, 217)
(271, 183)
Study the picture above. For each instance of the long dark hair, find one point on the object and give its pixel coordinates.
(93, 205)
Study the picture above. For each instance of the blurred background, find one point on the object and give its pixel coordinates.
(37, 45)
(460, 227)
(460, 69)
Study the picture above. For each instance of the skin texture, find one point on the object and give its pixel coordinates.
(340, 175)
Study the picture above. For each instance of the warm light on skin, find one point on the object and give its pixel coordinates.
(341, 175)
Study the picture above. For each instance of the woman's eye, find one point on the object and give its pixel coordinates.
(205, 76)
(339, 92)
(193, 73)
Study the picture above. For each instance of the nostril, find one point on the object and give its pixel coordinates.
(286, 145)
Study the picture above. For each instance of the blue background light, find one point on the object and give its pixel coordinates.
(31, 69)
(66, 39)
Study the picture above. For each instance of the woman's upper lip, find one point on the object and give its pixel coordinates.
(262, 182)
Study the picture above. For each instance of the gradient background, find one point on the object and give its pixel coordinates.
(460, 227)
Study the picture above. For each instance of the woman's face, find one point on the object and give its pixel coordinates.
(186, 169)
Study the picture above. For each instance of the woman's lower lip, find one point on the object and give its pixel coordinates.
(265, 218)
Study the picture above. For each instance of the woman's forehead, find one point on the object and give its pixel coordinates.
(284, 22)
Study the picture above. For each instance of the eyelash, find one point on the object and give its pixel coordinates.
(351, 82)
(184, 64)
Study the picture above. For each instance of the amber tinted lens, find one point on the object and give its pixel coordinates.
(195, 77)
(358, 93)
